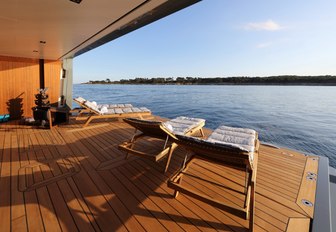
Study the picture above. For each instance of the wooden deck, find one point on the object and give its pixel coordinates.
(72, 179)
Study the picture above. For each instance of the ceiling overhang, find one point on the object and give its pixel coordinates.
(59, 29)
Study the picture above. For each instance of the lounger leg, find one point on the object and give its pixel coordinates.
(132, 141)
(171, 150)
(202, 133)
(90, 119)
(176, 193)
(131, 147)
(251, 214)
(248, 188)
(184, 167)
(127, 155)
(246, 179)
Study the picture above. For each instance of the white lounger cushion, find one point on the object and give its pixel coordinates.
(230, 138)
(125, 110)
(100, 106)
(92, 106)
(238, 137)
(80, 99)
(114, 105)
(104, 109)
(182, 125)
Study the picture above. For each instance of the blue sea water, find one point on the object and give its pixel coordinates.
(297, 117)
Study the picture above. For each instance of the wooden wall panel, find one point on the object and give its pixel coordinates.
(19, 81)
(52, 75)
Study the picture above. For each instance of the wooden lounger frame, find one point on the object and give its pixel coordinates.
(236, 159)
(80, 111)
(83, 109)
(122, 115)
(154, 130)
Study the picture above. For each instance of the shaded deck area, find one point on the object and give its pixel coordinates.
(73, 179)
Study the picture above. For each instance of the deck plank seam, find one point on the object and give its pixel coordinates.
(20, 165)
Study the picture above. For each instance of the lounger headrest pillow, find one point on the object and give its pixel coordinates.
(90, 105)
(80, 99)
(103, 110)
(168, 127)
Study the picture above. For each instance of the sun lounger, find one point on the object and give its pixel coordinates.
(227, 146)
(118, 112)
(164, 131)
(84, 109)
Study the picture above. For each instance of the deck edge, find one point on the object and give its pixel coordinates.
(322, 220)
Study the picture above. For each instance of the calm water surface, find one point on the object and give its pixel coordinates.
(298, 117)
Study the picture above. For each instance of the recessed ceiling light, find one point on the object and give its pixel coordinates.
(76, 1)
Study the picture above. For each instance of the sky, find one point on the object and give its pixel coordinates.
(222, 38)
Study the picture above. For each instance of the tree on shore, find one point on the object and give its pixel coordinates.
(271, 80)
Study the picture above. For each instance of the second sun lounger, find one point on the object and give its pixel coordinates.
(164, 131)
(236, 148)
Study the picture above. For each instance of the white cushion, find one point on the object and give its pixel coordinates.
(100, 106)
(136, 109)
(118, 110)
(110, 111)
(91, 105)
(241, 138)
(144, 109)
(79, 99)
(182, 125)
(103, 110)
(125, 110)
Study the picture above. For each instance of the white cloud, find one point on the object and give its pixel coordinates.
(268, 25)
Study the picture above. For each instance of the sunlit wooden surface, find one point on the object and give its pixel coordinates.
(75, 179)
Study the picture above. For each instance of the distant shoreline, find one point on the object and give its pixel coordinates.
(251, 84)
(287, 80)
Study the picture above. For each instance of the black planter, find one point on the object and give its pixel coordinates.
(40, 114)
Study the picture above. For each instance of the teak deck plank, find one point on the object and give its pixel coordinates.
(18, 210)
(75, 179)
(5, 185)
(298, 224)
(308, 186)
